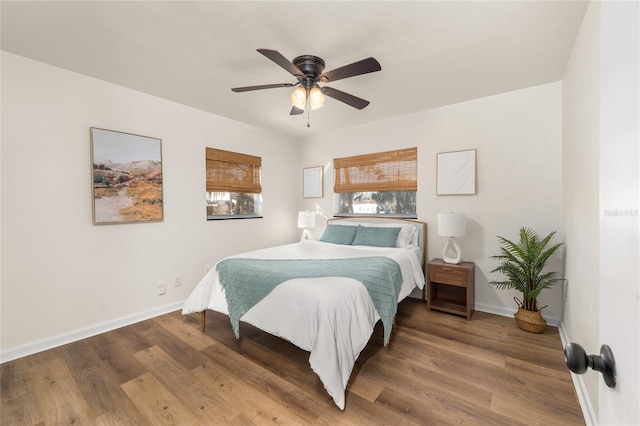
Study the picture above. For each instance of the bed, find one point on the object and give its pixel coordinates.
(324, 296)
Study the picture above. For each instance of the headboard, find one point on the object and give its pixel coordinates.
(421, 226)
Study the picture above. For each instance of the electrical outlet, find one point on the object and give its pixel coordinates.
(177, 281)
(161, 288)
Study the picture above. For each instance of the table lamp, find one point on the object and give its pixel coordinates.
(451, 225)
(306, 220)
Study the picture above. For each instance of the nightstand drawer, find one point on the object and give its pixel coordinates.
(448, 276)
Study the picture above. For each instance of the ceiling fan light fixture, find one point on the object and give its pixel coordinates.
(316, 98)
(309, 71)
(299, 97)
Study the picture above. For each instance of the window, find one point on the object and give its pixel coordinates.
(233, 185)
(383, 183)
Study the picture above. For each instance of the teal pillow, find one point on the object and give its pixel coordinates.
(377, 237)
(338, 234)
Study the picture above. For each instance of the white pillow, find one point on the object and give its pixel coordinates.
(407, 237)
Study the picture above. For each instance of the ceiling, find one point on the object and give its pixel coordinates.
(433, 53)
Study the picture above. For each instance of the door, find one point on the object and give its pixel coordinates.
(619, 195)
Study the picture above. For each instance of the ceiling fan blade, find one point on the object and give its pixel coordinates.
(264, 86)
(364, 66)
(296, 111)
(277, 57)
(348, 99)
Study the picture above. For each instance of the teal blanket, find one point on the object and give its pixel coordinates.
(247, 281)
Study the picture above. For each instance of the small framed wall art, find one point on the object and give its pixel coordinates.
(312, 182)
(126, 176)
(456, 173)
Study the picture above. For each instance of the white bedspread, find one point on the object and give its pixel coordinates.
(331, 317)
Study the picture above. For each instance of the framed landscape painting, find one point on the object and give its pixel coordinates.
(126, 178)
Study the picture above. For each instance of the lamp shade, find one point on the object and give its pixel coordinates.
(451, 224)
(316, 98)
(306, 219)
(299, 97)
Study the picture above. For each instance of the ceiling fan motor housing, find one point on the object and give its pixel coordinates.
(311, 66)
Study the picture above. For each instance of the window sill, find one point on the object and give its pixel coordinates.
(403, 216)
(234, 216)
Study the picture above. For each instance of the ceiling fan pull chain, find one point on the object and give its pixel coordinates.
(308, 114)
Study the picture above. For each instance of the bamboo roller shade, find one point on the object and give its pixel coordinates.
(383, 171)
(232, 172)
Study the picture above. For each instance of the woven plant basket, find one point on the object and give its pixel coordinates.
(530, 321)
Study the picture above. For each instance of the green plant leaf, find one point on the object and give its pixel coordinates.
(523, 263)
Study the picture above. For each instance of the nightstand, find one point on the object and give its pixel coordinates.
(450, 288)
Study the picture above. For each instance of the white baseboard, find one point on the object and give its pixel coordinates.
(53, 342)
(509, 312)
(583, 398)
(416, 294)
(497, 310)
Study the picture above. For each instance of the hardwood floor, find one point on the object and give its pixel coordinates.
(439, 369)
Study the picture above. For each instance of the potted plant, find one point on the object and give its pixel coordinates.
(523, 264)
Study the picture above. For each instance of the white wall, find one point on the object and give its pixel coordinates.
(581, 189)
(518, 138)
(63, 277)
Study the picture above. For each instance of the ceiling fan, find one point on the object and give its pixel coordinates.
(308, 70)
